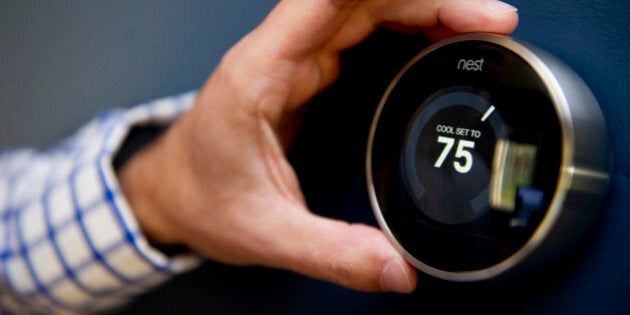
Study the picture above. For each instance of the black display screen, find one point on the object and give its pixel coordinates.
(466, 156)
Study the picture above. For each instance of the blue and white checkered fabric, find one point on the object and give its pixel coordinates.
(68, 240)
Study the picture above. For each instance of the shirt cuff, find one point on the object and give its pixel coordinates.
(160, 113)
(71, 242)
(137, 262)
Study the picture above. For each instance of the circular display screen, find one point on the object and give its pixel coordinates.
(465, 156)
(450, 146)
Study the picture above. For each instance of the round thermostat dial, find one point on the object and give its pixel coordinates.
(486, 157)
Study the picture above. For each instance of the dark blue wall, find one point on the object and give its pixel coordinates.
(61, 61)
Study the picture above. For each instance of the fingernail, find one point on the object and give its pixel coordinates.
(395, 277)
(499, 7)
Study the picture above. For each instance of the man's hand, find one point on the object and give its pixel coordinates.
(218, 180)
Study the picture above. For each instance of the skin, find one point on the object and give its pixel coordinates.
(218, 180)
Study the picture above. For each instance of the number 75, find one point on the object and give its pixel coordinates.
(461, 152)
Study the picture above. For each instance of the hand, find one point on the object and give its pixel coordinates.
(218, 180)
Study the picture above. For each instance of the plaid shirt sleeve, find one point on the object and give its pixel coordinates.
(68, 241)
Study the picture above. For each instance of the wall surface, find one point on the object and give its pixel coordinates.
(62, 61)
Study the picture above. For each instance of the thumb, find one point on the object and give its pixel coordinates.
(355, 256)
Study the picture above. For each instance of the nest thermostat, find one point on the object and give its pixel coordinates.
(487, 157)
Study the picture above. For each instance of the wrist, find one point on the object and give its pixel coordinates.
(139, 168)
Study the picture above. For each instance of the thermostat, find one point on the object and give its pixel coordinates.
(487, 157)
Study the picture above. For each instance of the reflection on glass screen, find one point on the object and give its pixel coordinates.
(513, 167)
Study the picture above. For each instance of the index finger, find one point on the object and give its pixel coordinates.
(436, 18)
(299, 28)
